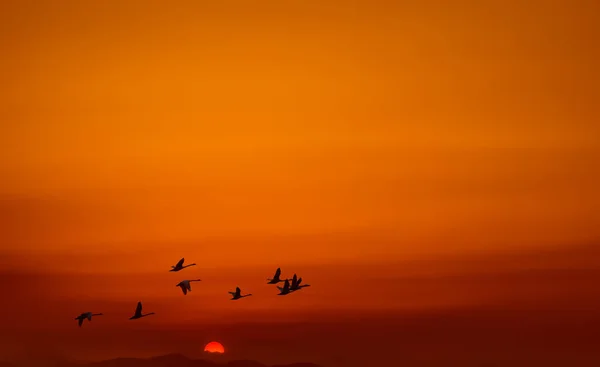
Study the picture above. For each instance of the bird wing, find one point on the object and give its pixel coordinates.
(299, 281)
(180, 263)
(189, 286)
(89, 316)
(238, 291)
(277, 273)
(232, 293)
(184, 289)
(286, 285)
(138, 309)
(80, 321)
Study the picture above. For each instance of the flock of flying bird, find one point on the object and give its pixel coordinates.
(295, 285)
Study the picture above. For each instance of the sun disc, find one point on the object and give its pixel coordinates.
(214, 347)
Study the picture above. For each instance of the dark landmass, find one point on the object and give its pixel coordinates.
(171, 360)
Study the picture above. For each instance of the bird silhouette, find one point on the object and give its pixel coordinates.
(86, 315)
(286, 288)
(275, 278)
(238, 294)
(186, 286)
(296, 284)
(179, 266)
(138, 312)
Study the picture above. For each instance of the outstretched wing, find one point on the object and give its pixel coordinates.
(184, 289)
(299, 281)
(189, 286)
(80, 321)
(238, 291)
(277, 273)
(180, 263)
(138, 309)
(286, 286)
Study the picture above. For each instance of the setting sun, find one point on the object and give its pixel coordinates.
(214, 347)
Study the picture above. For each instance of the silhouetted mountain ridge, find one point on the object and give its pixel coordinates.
(177, 360)
(244, 363)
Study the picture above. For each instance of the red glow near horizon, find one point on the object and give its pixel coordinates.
(214, 347)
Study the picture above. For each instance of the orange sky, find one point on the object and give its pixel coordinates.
(323, 137)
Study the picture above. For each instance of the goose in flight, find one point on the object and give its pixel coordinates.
(138, 312)
(286, 288)
(276, 278)
(86, 315)
(296, 286)
(186, 286)
(238, 294)
(179, 265)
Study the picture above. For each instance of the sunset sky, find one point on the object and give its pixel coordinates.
(403, 157)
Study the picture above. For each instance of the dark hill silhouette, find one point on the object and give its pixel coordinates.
(175, 360)
(244, 363)
(169, 360)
